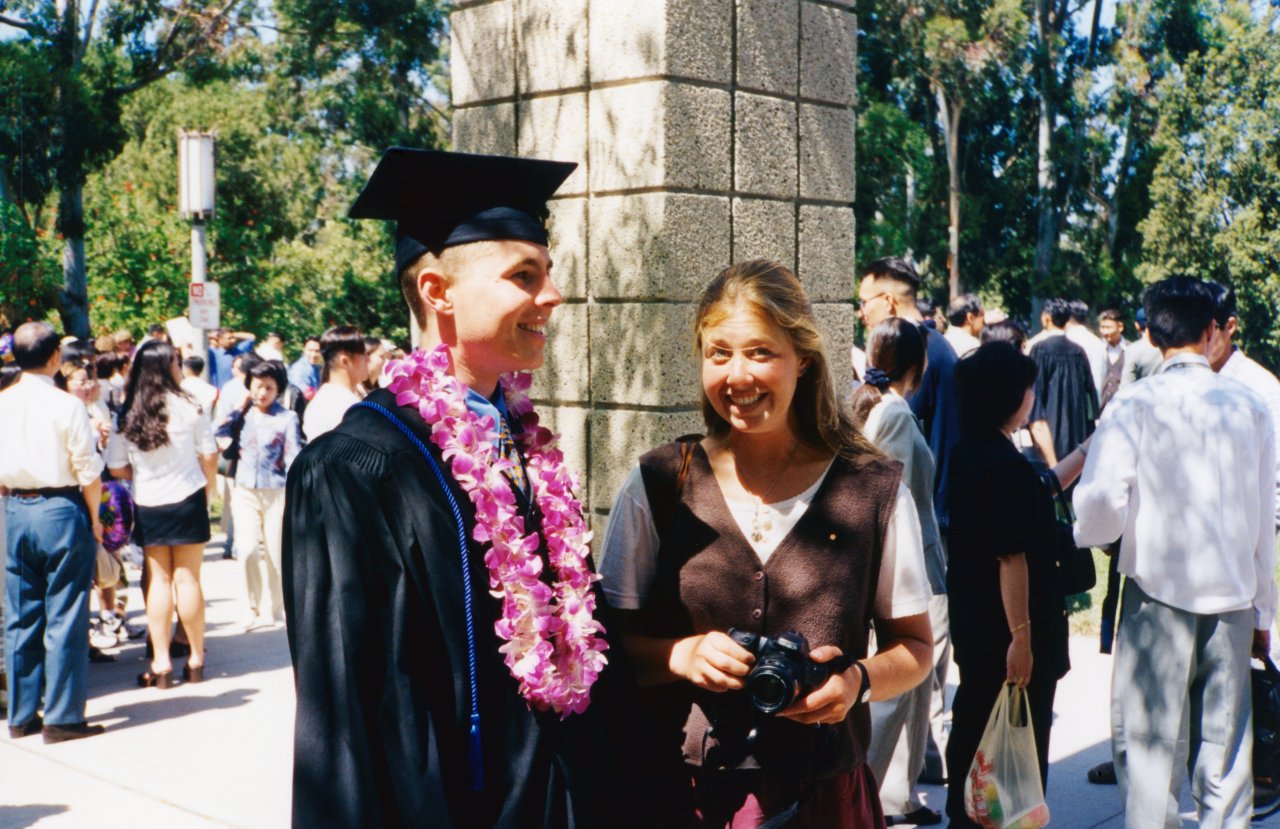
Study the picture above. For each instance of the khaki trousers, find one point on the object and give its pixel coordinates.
(259, 518)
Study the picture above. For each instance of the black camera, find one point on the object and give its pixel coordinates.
(784, 671)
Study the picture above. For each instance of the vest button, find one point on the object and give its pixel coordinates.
(759, 576)
(757, 614)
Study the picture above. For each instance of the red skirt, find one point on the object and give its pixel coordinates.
(747, 799)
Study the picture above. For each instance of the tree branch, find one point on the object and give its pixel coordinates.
(162, 70)
(29, 28)
(88, 28)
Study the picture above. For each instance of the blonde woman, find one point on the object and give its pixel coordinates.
(783, 518)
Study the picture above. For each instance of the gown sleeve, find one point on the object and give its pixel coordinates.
(340, 612)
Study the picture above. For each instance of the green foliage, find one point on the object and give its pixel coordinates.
(1163, 147)
(279, 245)
(300, 117)
(28, 285)
(1215, 208)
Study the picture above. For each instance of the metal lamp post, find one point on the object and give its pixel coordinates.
(195, 201)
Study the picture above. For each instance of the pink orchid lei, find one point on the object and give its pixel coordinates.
(552, 648)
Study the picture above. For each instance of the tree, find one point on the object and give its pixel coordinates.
(1215, 209)
(960, 52)
(280, 246)
(87, 62)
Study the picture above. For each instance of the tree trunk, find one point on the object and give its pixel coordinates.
(949, 112)
(1046, 225)
(75, 285)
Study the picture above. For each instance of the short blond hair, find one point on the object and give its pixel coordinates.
(447, 262)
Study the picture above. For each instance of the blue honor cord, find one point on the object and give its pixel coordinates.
(475, 757)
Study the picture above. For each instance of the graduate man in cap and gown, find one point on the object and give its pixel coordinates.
(439, 594)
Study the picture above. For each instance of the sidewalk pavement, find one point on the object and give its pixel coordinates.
(218, 754)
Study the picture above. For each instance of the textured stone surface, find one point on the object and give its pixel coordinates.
(826, 153)
(764, 229)
(826, 252)
(565, 374)
(657, 245)
(620, 437)
(836, 321)
(552, 38)
(567, 227)
(642, 354)
(768, 31)
(828, 54)
(659, 133)
(485, 129)
(482, 52)
(646, 38)
(556, 128)
(765, 146)
(699, 39)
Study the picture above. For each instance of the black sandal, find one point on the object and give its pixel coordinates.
(163, 680)
(193, 675)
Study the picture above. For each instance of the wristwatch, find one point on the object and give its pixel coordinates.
(864, 693)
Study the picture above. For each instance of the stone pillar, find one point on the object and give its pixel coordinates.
(708, 131)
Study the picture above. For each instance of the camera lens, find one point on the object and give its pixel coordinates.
(770, 692)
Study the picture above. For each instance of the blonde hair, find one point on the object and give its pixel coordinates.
(774, 292)
(447, 262)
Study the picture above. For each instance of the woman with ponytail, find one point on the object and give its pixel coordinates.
(896, 360)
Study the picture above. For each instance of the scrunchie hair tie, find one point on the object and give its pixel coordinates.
(876, 377)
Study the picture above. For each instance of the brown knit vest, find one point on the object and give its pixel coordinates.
(820, 581)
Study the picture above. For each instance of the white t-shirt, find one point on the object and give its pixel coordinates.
(629, 553)
(326, 409)
(204, 392)
(171, 473)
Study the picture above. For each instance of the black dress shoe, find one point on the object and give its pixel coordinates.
(32, 727)
(71, 731)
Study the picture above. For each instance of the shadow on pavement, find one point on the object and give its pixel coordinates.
(17, 817)
(169, 706)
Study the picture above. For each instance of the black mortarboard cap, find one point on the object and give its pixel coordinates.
(440, 199)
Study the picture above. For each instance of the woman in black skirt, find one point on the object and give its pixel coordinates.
(165, 444)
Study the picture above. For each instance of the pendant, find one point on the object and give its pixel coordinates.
(757, 536)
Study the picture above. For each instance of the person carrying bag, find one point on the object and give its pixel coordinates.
(1002, 789)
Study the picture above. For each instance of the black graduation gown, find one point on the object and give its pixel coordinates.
(377, 632)
(1066, 397)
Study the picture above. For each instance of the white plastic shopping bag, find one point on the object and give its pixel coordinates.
(1003, 789)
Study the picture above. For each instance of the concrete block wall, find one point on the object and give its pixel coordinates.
(707, 132)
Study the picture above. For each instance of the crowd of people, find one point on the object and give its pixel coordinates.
(125, 478)
(764, 633)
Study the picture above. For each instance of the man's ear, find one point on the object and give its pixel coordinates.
(1232, 326)
(433, 288)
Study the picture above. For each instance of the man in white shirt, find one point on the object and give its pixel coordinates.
(967, 319)
(1182, 469)
(206, 394)
(50, 466)
(346, 366)
(1077, 330)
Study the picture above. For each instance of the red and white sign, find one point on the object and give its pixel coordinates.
(204, 308)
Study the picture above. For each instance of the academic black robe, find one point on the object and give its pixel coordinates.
(377, 632)
(1066, 397)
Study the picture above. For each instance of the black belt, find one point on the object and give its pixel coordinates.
(46, 492)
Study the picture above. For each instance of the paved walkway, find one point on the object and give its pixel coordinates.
(218, 754)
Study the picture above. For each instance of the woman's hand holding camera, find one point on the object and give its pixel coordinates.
(712, 661)
(832, 700)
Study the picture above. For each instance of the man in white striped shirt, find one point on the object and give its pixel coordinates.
(1182, 468)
